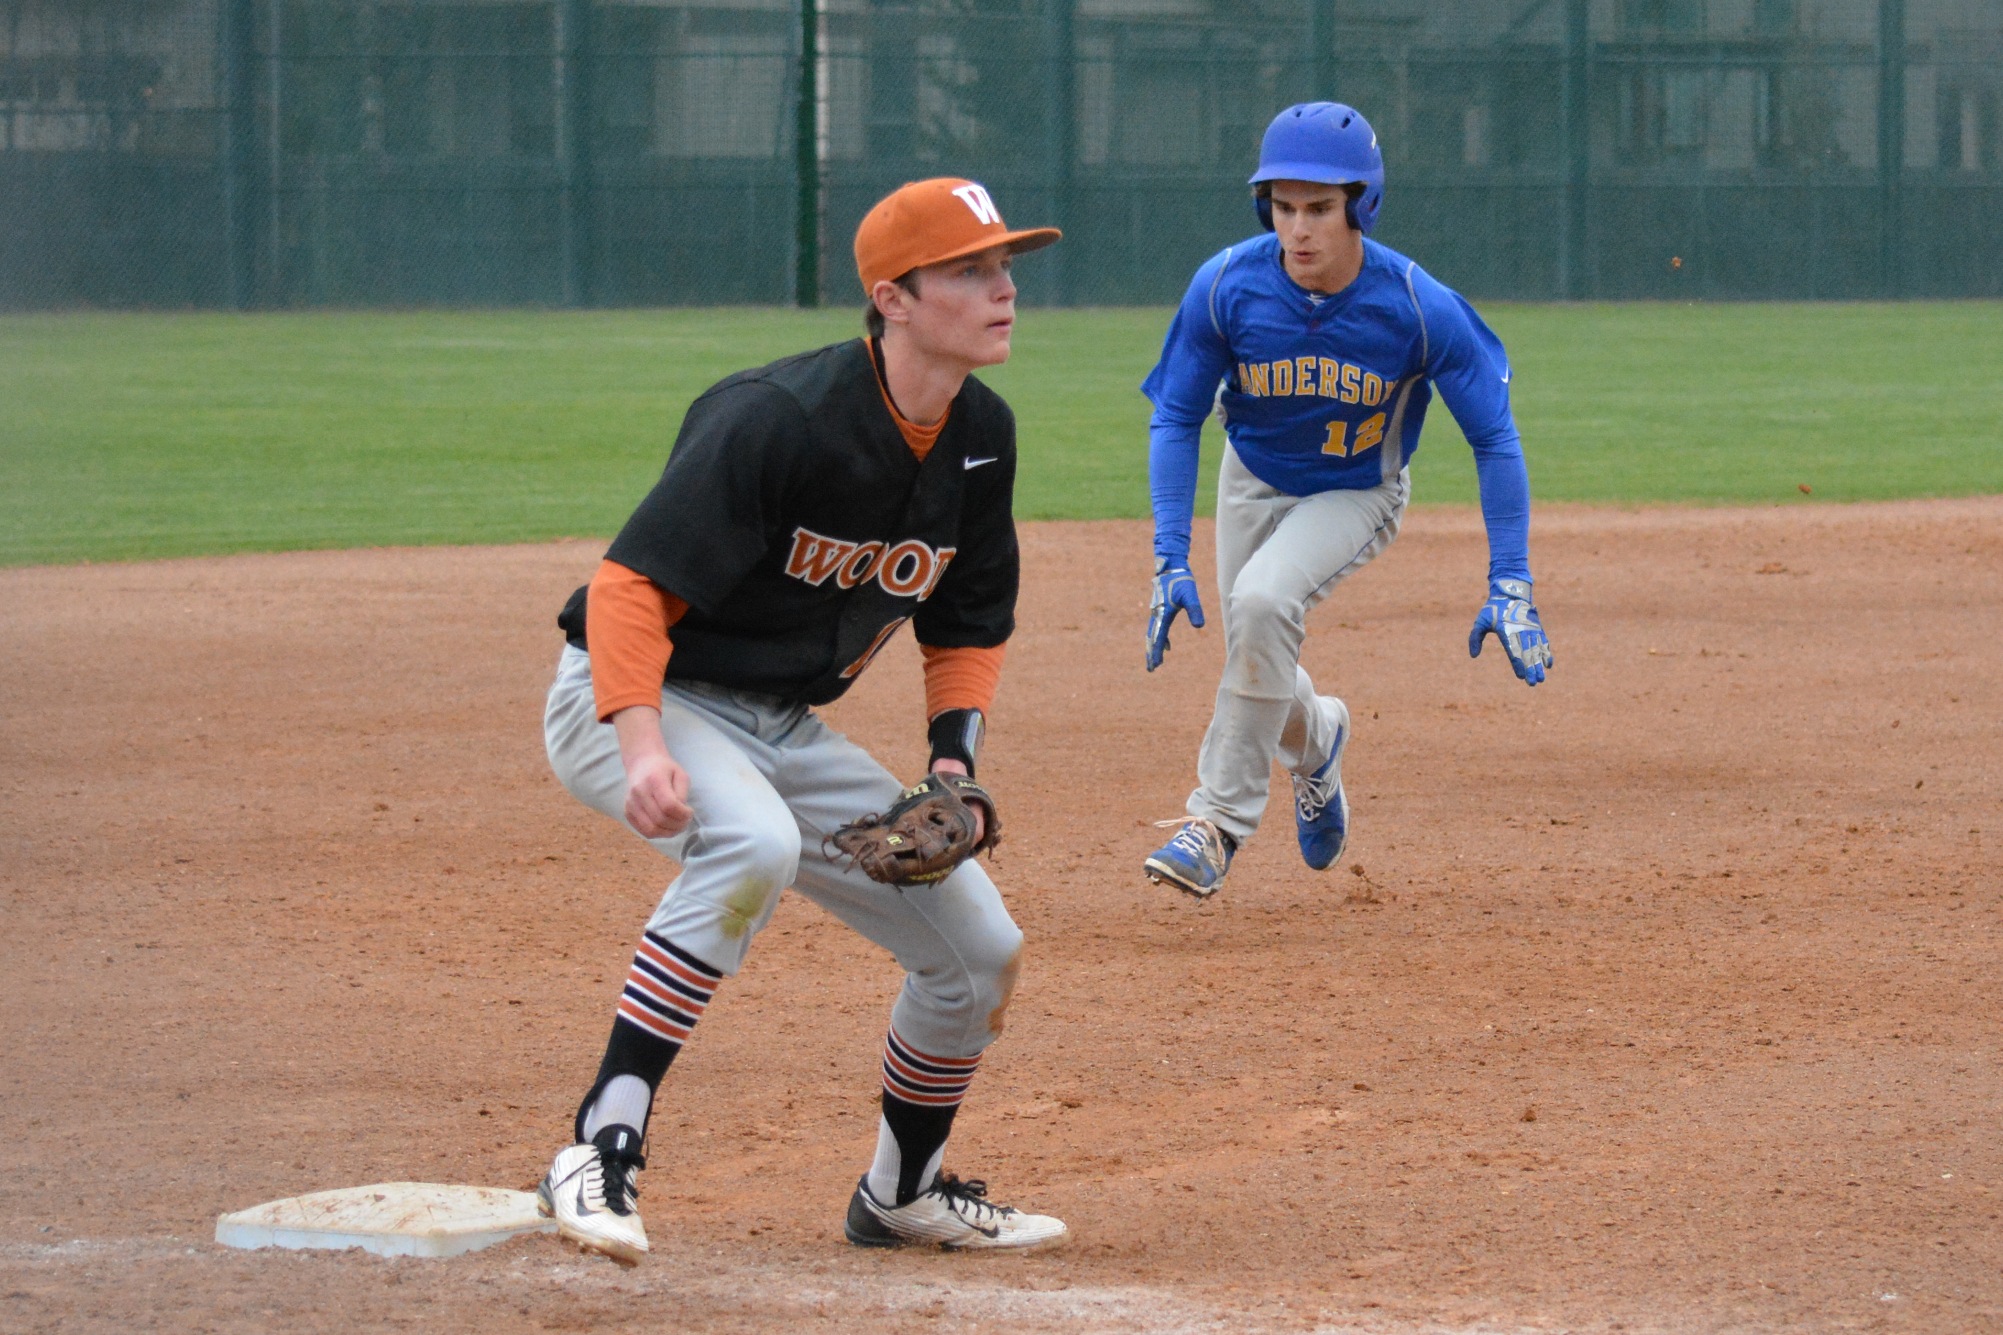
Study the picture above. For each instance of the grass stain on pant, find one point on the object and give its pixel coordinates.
(743, 907)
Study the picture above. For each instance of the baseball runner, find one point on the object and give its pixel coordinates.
(810, 508)
(1328, 347)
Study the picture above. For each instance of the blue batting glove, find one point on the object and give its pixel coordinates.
(1511, 615)
(1174, 591)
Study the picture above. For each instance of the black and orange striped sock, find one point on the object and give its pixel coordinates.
(921, 1095)
(666, 992)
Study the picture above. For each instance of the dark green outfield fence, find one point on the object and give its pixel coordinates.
(282, 153)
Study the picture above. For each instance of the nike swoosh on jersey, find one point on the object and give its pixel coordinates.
(976, 463)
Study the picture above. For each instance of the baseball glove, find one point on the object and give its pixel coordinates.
(927, 833)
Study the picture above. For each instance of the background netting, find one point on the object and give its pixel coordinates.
(616, 152)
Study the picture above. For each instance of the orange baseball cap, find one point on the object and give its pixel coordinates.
(930, 222)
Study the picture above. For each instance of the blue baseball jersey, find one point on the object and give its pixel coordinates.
(1329, 392)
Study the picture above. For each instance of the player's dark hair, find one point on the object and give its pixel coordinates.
(872, 318)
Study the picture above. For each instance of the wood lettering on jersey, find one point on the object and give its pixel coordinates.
(909, 569)
(814, 557)
(859, 564)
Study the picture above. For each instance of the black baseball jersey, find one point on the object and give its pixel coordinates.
(802, 531)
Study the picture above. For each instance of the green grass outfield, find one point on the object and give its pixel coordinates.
(162, 435)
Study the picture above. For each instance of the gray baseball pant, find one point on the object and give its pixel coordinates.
(767, 781)
(1277, 557)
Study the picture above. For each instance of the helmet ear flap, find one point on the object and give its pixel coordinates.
(1262, 204)
(1363, 209)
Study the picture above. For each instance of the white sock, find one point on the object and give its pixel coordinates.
(889, 1165)
(625, 1101)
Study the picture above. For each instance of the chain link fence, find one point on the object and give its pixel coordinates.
(287, 153)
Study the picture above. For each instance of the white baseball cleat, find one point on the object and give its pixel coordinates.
(952, 1214)
(592, 1195)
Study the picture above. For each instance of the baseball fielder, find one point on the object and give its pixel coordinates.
(809, 509)
(1328, 347)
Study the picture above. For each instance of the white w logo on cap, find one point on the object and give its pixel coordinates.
(976, 198)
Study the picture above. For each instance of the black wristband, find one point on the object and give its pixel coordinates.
(956, 734)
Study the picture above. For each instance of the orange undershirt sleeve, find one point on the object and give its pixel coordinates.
(961, 678)
(626, 620)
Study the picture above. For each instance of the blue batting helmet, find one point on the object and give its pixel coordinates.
(1327, 143)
